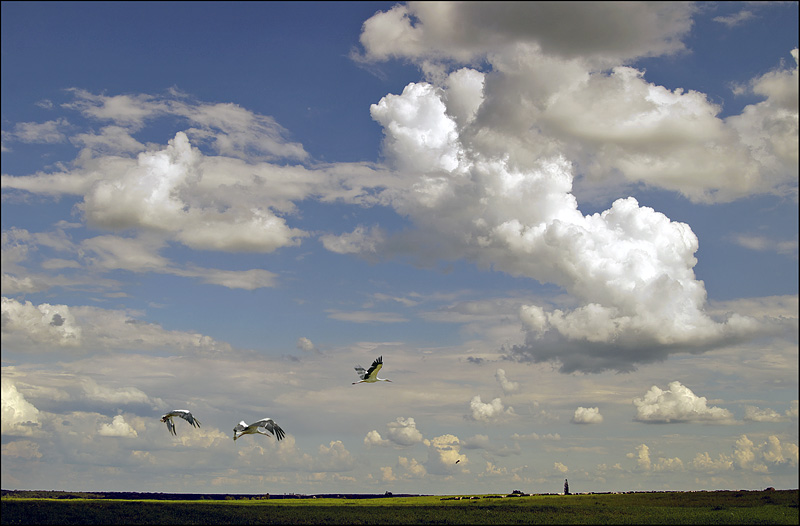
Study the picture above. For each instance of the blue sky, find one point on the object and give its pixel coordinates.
(569, 229)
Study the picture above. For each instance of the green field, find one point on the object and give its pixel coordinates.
(713, 507)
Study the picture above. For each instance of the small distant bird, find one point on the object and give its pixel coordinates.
(265, 426)
(183, 413)
(371, 376)
(457, 461)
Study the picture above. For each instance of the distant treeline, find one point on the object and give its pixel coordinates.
(126, 508)
(135, 495)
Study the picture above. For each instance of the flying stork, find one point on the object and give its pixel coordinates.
(371, 376)
(265, 426)
(183, 413)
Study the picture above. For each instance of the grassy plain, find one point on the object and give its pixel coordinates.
(717, 507)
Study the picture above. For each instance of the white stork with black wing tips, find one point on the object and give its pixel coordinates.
(370, 376)
(265, 426)
(183, 413)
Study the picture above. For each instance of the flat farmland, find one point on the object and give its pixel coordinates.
(712, 507)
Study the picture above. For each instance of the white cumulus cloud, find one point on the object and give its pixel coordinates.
(488, 412)
(20, 417)
(507, 385)
(304, 344)
(401, 432)
(40, 324)
(756, 414)
(587, 415)
(443, 453)
(117, 428)
(678, 404)
(645, 463)
(749, 456)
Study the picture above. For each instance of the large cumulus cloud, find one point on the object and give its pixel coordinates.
(467, 30)
(678, 404)
(162, 191)
(630, 268)
(490, 156)
(20, 417)
(570, 87)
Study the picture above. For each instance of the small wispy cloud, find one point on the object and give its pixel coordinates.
(765, 244)
(49, 132)
(366, 316)
(735, 19)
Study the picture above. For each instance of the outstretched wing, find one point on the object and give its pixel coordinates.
(170, 425)
(374, 368)
(362, 373)
(187, 415)
(271, 426)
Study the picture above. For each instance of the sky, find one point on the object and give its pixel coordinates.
(570, 230)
